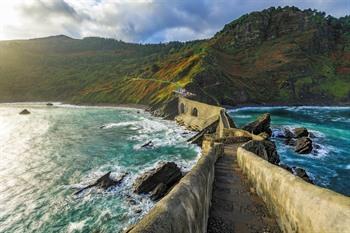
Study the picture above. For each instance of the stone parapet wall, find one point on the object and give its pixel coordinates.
(186, 208)
(298, 205)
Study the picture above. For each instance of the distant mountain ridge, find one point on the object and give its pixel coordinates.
(275, 56)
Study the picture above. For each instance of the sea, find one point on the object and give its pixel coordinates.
(329, 162)
(46, 156)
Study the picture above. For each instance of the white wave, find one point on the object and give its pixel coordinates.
(76, 226)
(120, 124)
(347, 167)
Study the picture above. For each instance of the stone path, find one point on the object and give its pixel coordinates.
(235, 207)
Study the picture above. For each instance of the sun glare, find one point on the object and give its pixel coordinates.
(9, 17)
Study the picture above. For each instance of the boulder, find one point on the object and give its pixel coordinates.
(262, 124)
(104, 182)
(297, 172)
(303, 145)
(264, 149)
(300, 132)
(159, 192)
(287, 133)
(24, 112)
(49, 104)
(168, 174)
(302, 174)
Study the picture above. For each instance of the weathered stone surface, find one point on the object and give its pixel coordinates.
(262, 124)
(295, 203)
(265, 149)
(24, 112)
(186, 207)
(301, 132)
(303, 145)
(168, 174)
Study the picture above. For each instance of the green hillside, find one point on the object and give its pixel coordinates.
(279, 55)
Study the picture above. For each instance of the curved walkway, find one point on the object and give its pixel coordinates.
(235, 207)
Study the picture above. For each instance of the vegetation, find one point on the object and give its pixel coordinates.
(278, 55)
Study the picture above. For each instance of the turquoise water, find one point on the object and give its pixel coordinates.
(329, 163)
(47, 155)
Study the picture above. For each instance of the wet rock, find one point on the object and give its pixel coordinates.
(300, 132)
(159, 192)
(290, 142)
(262, 124)
(104, 182)
(287, 133)
(303, 145)
(49, 104)
(286, 167)
(147, 145)
(24, 112)
(168, 174)
(302, 174)
(264, 149)
(297, 172)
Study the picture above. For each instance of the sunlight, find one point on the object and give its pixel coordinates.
(9, 17)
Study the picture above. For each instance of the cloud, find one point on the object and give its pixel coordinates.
(142, 21)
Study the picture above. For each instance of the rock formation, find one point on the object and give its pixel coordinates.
(158, 181)
(297, 171)
(261, 125)
(265, 149)
(300, 132)
(103, 182)
(303, 145)
(24, 112)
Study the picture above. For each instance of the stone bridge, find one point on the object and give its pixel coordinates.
(231, 190)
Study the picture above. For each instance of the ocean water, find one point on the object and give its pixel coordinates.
(329, 163)
(47, 155)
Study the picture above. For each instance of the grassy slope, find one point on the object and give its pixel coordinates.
(263, 57)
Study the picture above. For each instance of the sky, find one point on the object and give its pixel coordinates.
(140, 21)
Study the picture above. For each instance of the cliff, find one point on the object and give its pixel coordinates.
(276, 56)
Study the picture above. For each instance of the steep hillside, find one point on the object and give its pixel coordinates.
(279, 55)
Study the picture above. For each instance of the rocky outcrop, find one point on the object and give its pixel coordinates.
(300, 132)
(302, 174)
(261, 125)
(303, 145)
(158, 181)
(264, 149)
(298, 172)
(103, 182)
(24, 112)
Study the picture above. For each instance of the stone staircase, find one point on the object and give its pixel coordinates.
(235, 207)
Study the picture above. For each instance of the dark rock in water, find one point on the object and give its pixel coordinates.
(167, 110)
(49, 104)
(301, 132)
(302, 174)
(287, 133)
(103, 182)
(264, 149)
(290, 142)
(286, 167)
(159, 192)
(297, 172)
(102, 126)
(262, 124)
(147, 145)
(168, 174)
(303, 145)
(24, 112)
